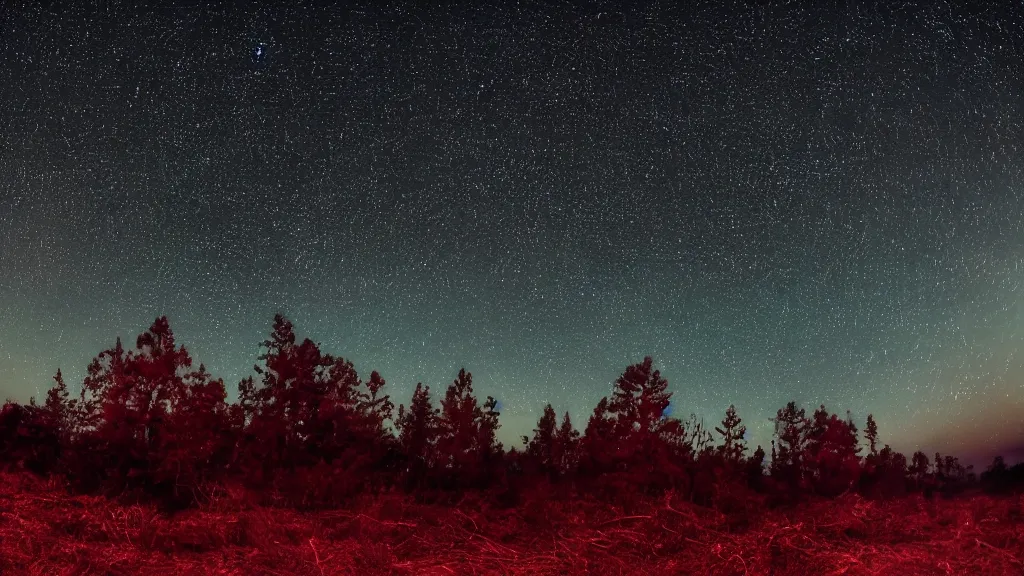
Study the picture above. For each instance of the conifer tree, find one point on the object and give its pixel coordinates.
(599, 439)
(466, 442)
(831, 453)
(61, 411)
(377, 407)
(790, 424)
(127, 397)
(200, 441)
(490, 450)
(889, 479)
(565, 455)
(553, 447)
(732, 431)
(919, 468)
(309, 410)
(755, 467)
(105, 376)
(645, 442)
(639, 400)
(272, 437)
(871, 434)
(457, 436)
(542, 446)
(417, 435)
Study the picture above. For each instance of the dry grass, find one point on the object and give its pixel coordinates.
(43, 531)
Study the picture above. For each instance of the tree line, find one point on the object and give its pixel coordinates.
(308, 431)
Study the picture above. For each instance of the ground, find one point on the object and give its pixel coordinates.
(44, 531)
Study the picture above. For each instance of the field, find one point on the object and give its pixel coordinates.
(43, 531)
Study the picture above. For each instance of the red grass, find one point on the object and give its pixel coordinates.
(43, 531)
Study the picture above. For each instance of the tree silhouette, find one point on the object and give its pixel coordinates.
(60, 413)
(466, 444)
(787, 453)
(599, 440)
(888, 479)
(377, 407)
(417, 439)
(564, 454)
(831, 448)
(312, 428)
(732, 431)
(541, 449)
(490, 449)
(28, 438)
(272, 407)
(199, 444)
(638, 402)
(755, 468)
(997, 478)
(306, 431)
(645, 441)
(553, 448)
(871, 434)
(129, 397)
(919, 469)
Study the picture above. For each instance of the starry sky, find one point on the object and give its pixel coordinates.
(820, 202)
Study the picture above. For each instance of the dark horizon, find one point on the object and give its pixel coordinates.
(776, 202)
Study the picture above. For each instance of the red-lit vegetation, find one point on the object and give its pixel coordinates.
(150, 470)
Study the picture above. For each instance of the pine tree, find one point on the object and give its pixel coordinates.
(199, 443)
(456, 441)
(645, 442)
(105, 377)
(158, 364)
(309, 412)
(27, 438)
(639, 400)
(831, 450)
(755, 467)
(542, 446)
(889, 478)
(814, 433)
(311, 406)
(270, 406)
(954, 470)
(790, 425)
(489, 449)
(599, 439)
(919, 467)
(126, 399)
(349, 418)
(61, 411)
(997, 478)
(271, 425)
(249, 402)
(417, 439)
(564, 455)
(466, 443)
(733, 432)
(871, 434)
(377, 407)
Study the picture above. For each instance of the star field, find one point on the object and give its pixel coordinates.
(776, 202)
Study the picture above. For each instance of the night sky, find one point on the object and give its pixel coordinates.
(775, 202)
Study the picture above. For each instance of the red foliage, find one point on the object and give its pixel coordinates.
(308, 432)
